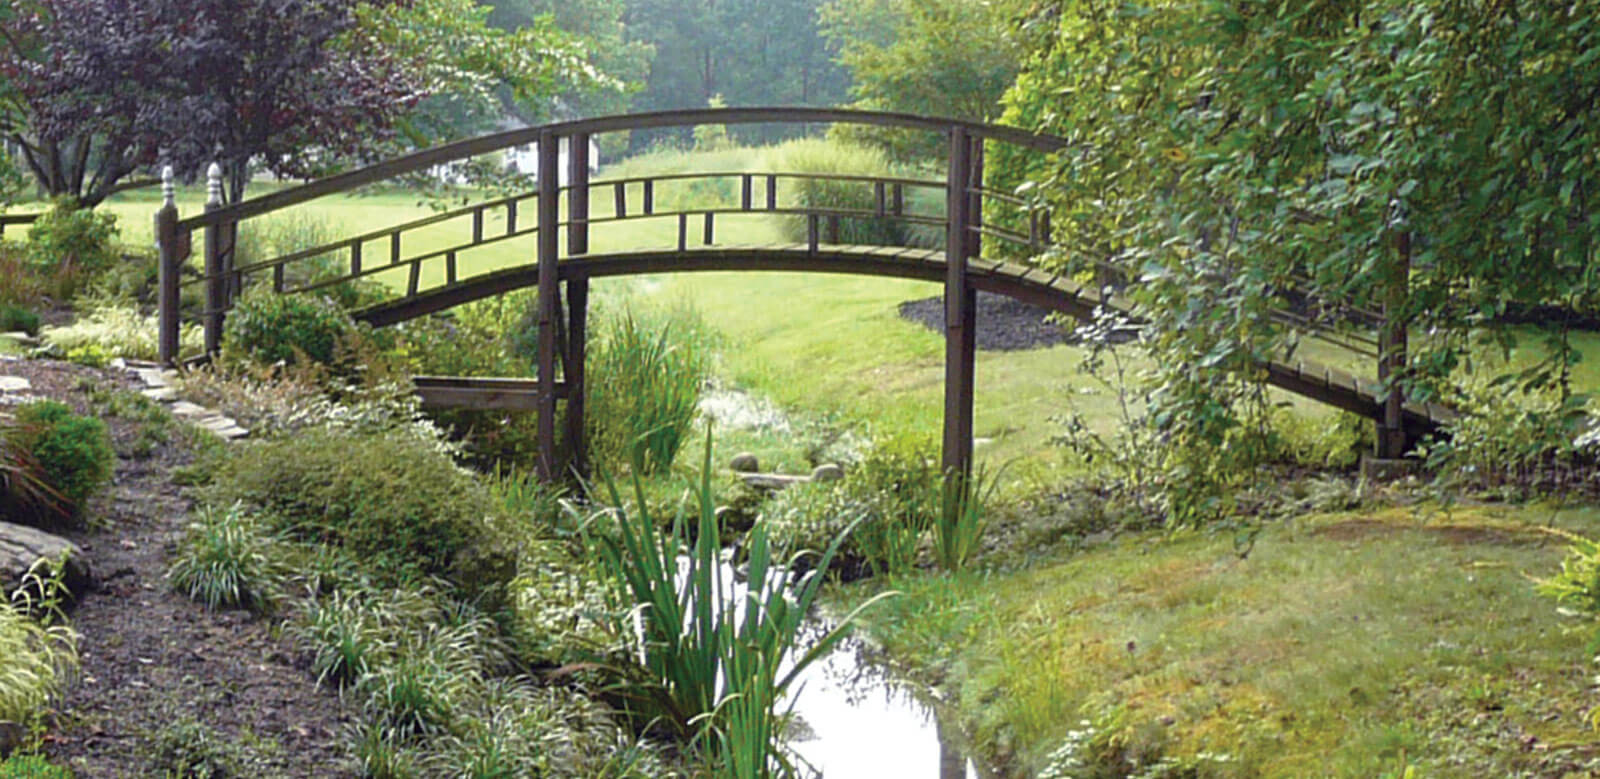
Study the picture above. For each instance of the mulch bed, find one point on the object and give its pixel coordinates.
(152, 657)
(1004, 325)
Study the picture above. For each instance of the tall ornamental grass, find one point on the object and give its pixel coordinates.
(646, 375)
(709, 658)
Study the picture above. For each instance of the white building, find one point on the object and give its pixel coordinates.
(525, 159)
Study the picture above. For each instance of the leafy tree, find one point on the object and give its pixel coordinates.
(98, 89)
(1228, 153)
(949, 58)
(746, 51)
(598, 25)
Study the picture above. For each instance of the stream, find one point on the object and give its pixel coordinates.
(856, 721)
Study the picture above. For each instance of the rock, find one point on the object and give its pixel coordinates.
(22, 546)
(152, 377)
(184, 408)
(827, 472)
(22, 339)
(14, 384)
(745, 462)
(162, 394)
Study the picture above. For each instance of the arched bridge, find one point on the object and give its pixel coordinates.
(972, 254)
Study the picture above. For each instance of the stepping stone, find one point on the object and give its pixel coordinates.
(14, 384)
(21, 338)
(161, 394)
(184, 408)
(152, 377)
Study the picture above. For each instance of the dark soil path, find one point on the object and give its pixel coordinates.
(152, 660)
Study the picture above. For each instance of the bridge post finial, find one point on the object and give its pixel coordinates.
(214, 185)
(169, 188)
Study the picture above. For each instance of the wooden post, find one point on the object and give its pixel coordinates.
(577, 332)
(216, 271)
(171, 261)
(549, 302)
(577, 302)
(1392, 443)
(960, 316)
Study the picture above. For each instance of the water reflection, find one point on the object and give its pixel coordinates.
(856, 721)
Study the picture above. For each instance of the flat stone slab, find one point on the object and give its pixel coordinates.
(161, 394)
(22, 546)
(21, 338)
(152, 377)
(14, 384)
(184, 408)
(772, 481)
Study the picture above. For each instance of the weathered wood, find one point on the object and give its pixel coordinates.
(577, 354)
(578, 195)
(1393, 440)
(482, 394)
(709, 235)
(216, 271)
(172, 255)
(548, 257)
(960, 353)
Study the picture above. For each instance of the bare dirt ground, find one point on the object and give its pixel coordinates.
(151, 658)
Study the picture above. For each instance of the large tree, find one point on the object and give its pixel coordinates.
(598, 25)
(102, 88)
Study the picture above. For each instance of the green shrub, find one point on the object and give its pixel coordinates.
(225, 560)
(392, 500)
(26, 494)
(15, 318)
(1508, 441)
(345, 637)
(73, 451)
(894, 493)
(270, 328)
(31, 767)
(71, 238)
(118, 330)
(283, 234)
(646, 375)
(817, 156)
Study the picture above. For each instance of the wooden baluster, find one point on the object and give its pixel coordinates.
(960, 318)
(709, 236)
(511, 217)
(355, 258)
(772, 193)
(649, 197)
(745, 187)
(619, 200)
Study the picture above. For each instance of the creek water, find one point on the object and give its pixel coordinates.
(854, 721)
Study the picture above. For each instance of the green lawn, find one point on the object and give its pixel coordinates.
(1350, 644)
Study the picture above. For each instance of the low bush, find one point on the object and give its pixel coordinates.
(895, 494)
(16, 319)
(226, 560)
(190, 748)
(269, 328)
(646, 375)
(1511, 442)
(119, 330)
(818, 156)
(26, 494)
(74, 239)
(392, 500)
(73, 452)
(283, 234)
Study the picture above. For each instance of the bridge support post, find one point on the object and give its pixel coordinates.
(577, 302)
(1392, 440)
(171, 259)
(549, 301)
(960, 315)
(218, 279)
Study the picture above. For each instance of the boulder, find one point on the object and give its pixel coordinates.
(22, 546)
(745, 462)
(827, 472)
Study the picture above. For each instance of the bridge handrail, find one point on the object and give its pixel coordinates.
(472, 147)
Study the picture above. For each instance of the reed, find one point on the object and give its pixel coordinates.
(710, 658)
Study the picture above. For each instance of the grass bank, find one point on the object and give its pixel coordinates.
(1350, 644)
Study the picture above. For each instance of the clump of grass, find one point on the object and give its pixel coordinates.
(40, 655)
(709, 657)
(823, 156)
(647, 373)
(226, 559)
(344, 636)
(19, 766)
(188, 747)
(118, 330)
(958, 533)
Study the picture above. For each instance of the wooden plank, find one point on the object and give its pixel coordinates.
(450, 267)
(745, 187)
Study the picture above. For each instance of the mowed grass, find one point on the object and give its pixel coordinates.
(1344, 645)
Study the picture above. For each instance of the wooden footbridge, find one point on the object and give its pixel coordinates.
(562, 274)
